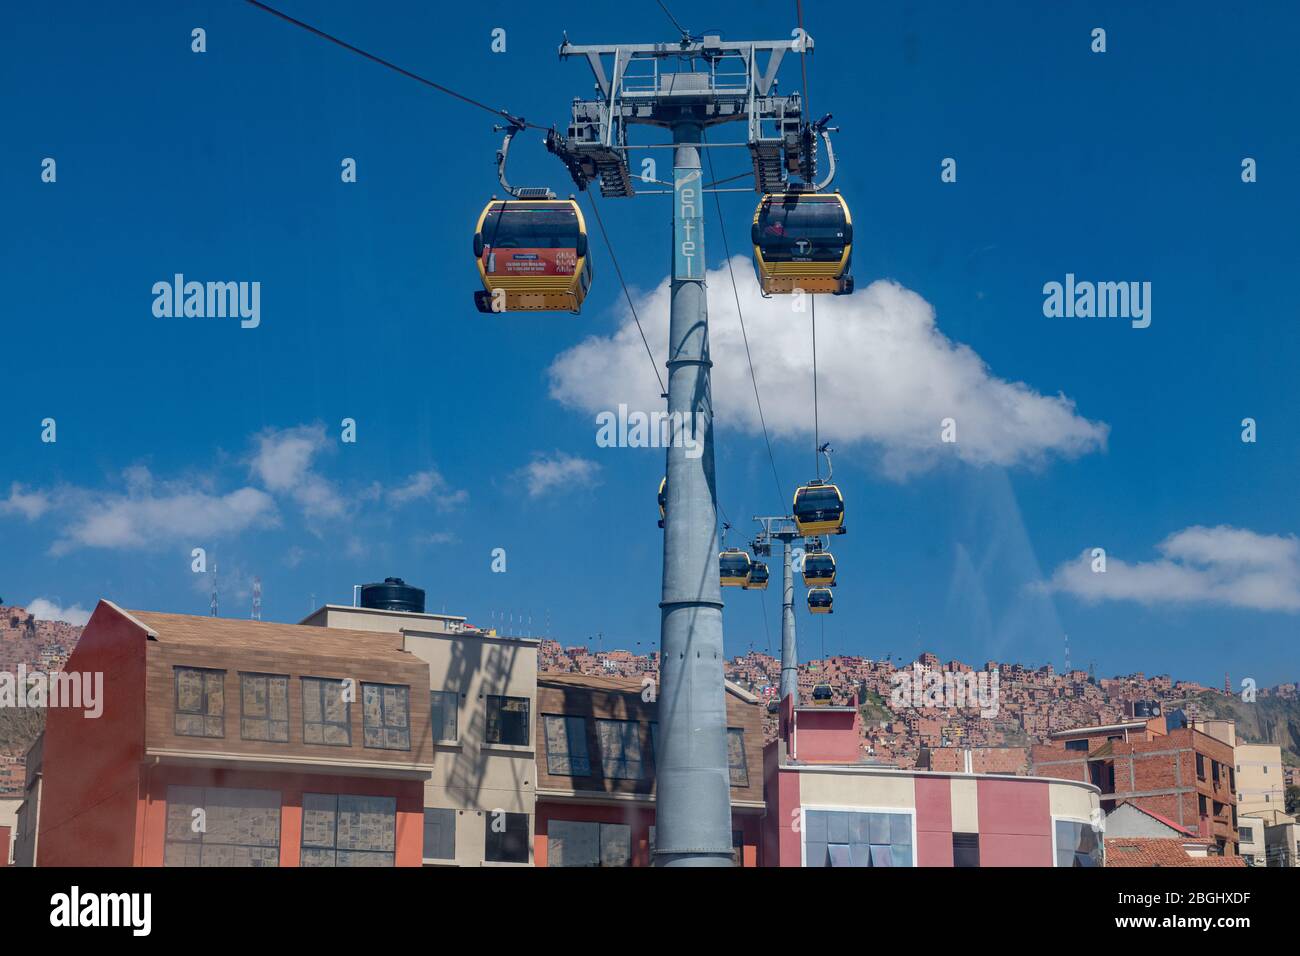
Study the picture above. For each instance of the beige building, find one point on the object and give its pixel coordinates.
(480, 804)
(1261, 802)
(28, 813)
(8, 828)
(1260, 784)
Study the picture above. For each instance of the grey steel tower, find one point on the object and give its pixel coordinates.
(686, 87)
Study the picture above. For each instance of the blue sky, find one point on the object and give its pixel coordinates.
(1073, 433)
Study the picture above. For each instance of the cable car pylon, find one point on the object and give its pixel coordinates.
(687, 85)
(782, 529)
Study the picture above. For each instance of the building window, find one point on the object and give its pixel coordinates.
(1247, 834)
(220, 826)
(386, 716)
(966, 849)
(507, 720)
(439, 833)
(736, 764)
(857, 838)
(1077, 745)
(506, 837)
(1201, 806)
(577, 843)
(443, 708)
(1077, 844)
(200, 702)
(620, 749)
(1200, 766)
(326, 713)
(344, 830)
(566, 746)
(264, 707)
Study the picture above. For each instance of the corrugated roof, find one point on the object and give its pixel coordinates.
(222, 632)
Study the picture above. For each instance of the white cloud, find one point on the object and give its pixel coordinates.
(423, 484)
(886, 375)
(31, 505)
(148, 517)
(283, 462)
(437, 538)
(44, 610)
(546, 473)
(1226, 566)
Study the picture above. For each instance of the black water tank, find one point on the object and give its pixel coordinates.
(393, 595)
(1146, 708)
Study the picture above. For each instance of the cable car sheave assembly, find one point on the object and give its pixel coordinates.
(531, 250)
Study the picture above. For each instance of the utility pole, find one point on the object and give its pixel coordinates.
(688, 85)
(213, 603)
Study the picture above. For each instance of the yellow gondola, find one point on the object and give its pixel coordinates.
(819, 569)
(803, 240)
(818, 509)
(758, 576)
(820, 601)
(734, 566)
(532, 256)
(663, 499)
(822, 695)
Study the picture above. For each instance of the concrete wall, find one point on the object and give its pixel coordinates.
(8, 827)
(1128, 821)
(374, 619)
(1254, 847)
(471, 776)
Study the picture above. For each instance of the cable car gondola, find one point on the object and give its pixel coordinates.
(734, 566)
(663, 499)
(818, 509)
(822, 695)
(803, 240)
(758, 576)
(820, 601)
(818, 569)
(532, 256)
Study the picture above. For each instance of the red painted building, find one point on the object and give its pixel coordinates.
(826, 806)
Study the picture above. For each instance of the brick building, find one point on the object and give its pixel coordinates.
(596, 772)
(1184, 774)
(1001, 760)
